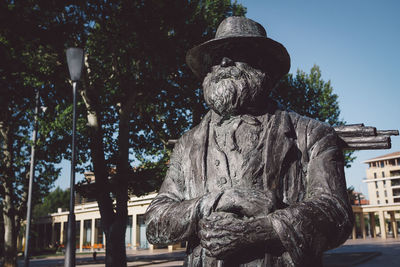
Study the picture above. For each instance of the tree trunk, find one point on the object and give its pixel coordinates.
(9, 213)
(113, 222)
(10, 234)
(115, 243)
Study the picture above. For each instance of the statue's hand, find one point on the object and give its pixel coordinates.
(206, 204)
(222, 234)
(246, 202)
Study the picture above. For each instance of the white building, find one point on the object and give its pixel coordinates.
(52, 229)
(383, 179)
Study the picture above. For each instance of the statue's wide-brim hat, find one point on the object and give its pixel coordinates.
(249, 38)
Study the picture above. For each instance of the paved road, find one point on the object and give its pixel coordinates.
(360, 253)
(376, 252)
(159, 258)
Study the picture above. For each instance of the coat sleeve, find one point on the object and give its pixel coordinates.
(324, 219)
(171, 218)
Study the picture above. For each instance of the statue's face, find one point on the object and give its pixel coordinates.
(233, 88)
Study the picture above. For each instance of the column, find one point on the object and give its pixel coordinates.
(382, 224)
(20, 243)
(44, 235)
(62, 233)
(92, 232)
(372, 221)
(134, 231)
(37, 238)
(81, 235)
(394, 224)
(362, 224)
(53, 235)
(354, 234)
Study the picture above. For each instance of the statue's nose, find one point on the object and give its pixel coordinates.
(226, 62)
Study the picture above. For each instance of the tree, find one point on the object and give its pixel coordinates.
(351, 195)
(57, 198)
(137, 85)
(32, 39)
(138, 93)
(311, 96)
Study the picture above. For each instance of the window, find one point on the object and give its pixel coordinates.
(384, 183)
(396, 192)
(395, 173)
(383, 174)
(386, 201)
(396, 200)
(376, 185)
(377, 193)
(374, 174)
(395, 182)
(382, 164)
(385, 193)
(392, 162)
(379, 202)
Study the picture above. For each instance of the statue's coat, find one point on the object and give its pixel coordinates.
(302, 165)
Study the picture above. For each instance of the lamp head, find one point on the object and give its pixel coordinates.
(75, 62)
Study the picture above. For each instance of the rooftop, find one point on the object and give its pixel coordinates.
(387, 156)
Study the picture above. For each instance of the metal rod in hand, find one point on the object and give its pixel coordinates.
(31, 177)
(70, 249)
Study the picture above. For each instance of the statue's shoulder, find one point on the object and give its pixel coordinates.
(197, 133)
(293, 119)
(307, 123)
(306, 130)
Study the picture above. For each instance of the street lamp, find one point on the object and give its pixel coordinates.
(75, 65)
(31, 177)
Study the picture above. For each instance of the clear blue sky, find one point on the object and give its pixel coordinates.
(356, 44)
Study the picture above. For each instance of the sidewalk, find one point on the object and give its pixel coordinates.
(157, 258)
(365, 253)
(361, 253)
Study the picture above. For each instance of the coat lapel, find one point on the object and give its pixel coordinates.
(279, 143)
(198, 151)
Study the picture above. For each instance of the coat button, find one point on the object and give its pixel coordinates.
(222, 180)
(216, 162)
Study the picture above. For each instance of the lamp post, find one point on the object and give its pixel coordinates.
(31, 177)
(75, 65)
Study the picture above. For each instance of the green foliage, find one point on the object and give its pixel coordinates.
(33, 35)
(135, 57)
(351, 195)
(311, 96)
(136, 50)
(32, 39)
(50, 203)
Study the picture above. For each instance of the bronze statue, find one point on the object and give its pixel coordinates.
(251, 185)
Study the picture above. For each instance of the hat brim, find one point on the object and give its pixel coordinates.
(201, 58)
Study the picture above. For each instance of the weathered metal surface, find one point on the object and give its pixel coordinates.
(355, 130)
(251, 185)
(360, 137)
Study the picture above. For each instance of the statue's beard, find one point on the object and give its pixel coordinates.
(235, 89)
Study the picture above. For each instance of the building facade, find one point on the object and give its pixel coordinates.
(51, 231)
(380, 218)
(383, 179)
